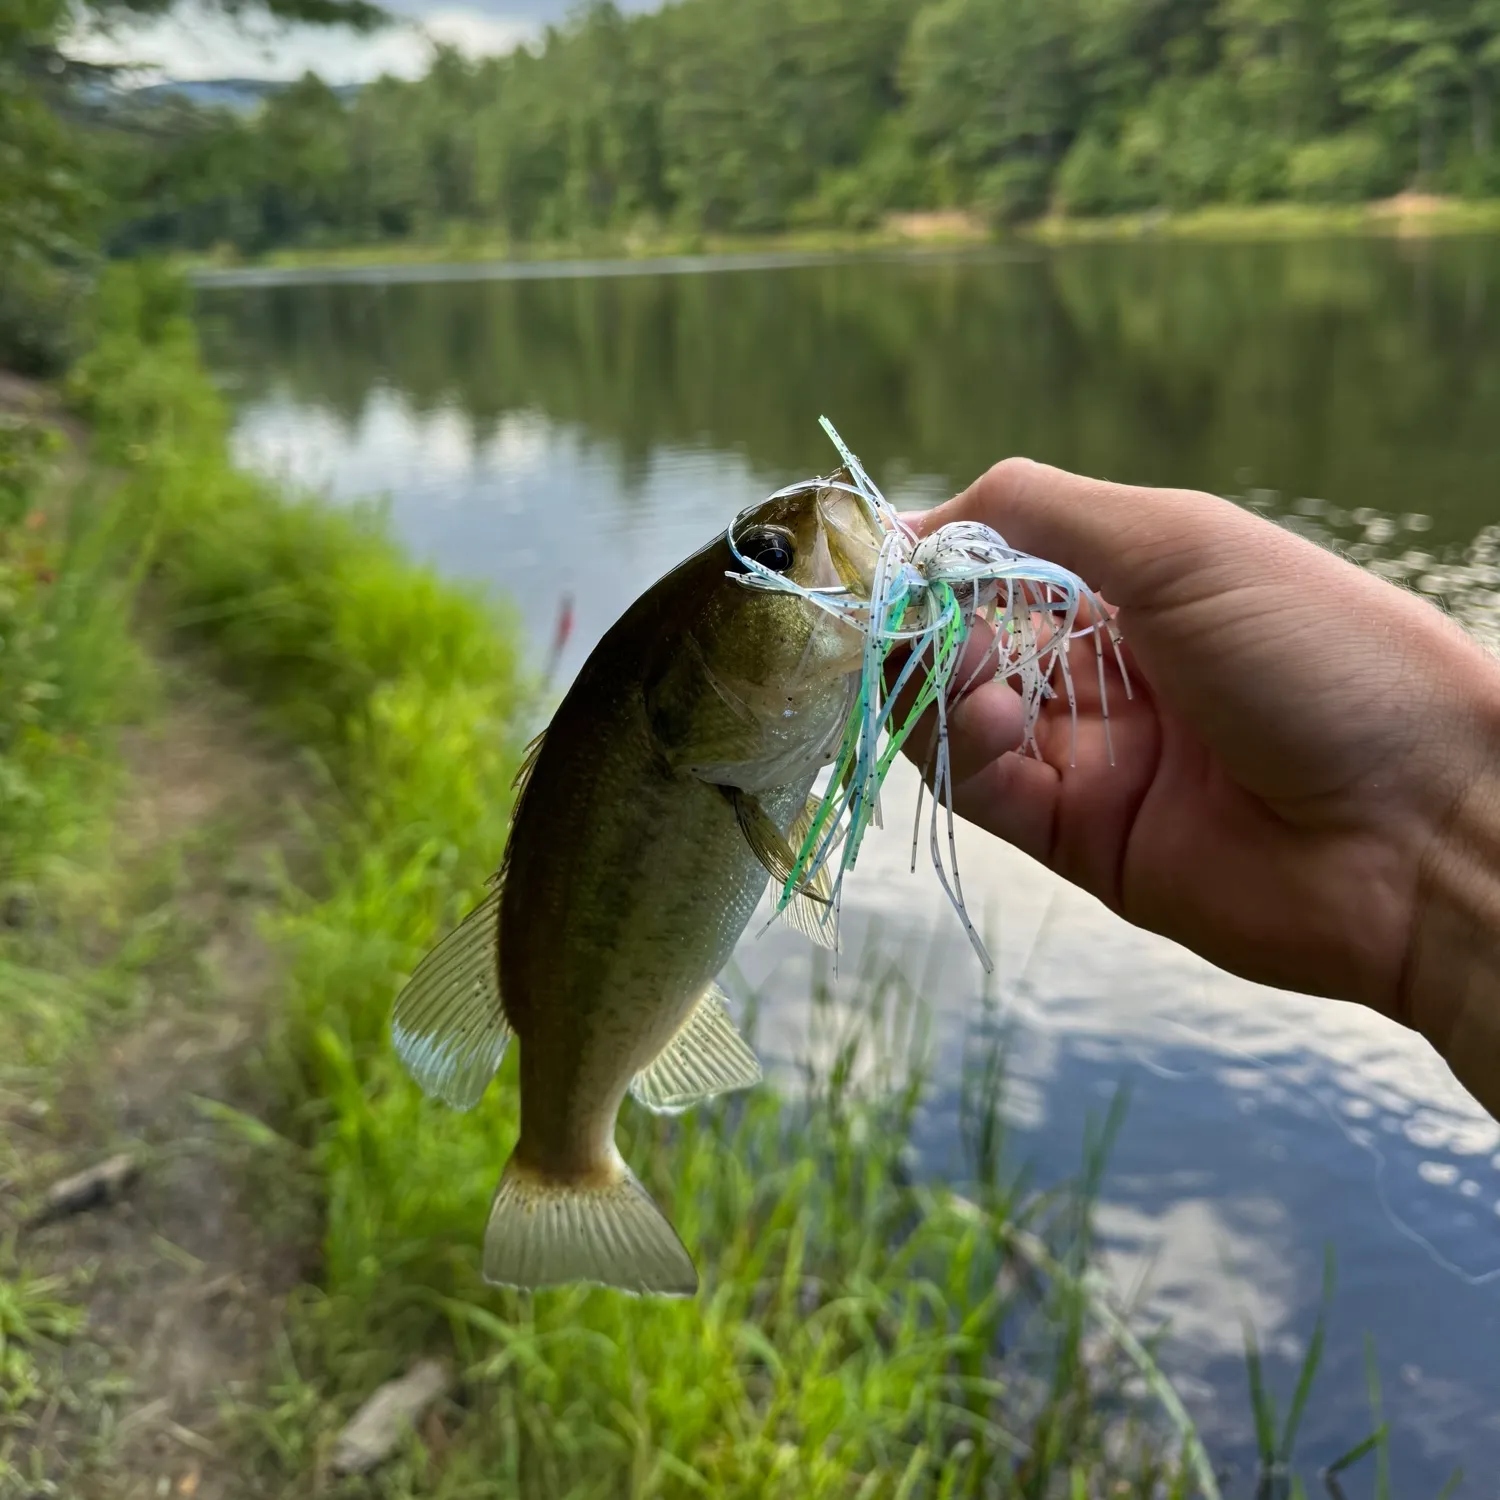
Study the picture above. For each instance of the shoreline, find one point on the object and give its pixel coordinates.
(1408, 216)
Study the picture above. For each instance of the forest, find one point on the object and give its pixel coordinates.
(751, 116)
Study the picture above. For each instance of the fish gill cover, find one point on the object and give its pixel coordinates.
(926, 596)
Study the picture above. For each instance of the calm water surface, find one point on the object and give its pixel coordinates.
(572, 435)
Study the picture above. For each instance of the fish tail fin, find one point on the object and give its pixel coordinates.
(602, 1227)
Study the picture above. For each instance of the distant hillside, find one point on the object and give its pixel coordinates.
(239, 95)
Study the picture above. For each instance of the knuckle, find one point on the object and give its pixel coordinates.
(1011, 477)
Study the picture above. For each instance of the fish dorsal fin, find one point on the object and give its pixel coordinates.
(528, 764)
(449, 1025)
(766, 840)
(706, 1056)
(521, 781)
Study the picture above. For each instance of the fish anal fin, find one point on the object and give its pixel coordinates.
(602, 1228)
(705, 1056)
(449, 1024)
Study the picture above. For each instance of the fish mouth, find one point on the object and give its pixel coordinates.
(853, 539)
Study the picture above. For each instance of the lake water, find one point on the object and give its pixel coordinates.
(568, 433)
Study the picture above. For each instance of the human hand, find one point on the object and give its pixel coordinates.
(1305, 785)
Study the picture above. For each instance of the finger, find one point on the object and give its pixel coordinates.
(1126, 541)
(982, 727)
(1015, 798)
(983, 723)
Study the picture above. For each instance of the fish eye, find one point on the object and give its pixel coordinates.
(769, 546)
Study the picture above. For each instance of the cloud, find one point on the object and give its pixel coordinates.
(193, 43)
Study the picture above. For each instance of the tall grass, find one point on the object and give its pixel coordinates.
(857, 1334)
(71, 674)
(68, 666)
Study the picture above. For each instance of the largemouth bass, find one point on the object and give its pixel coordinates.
(675, 774)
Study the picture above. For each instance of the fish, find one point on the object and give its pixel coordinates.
(674, 778)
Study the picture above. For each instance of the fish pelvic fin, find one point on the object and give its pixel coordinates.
(449, 1025)
(603, 1227)
(820, 885)
(705, 1056)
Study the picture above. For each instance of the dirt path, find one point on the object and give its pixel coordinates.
(181, 1280)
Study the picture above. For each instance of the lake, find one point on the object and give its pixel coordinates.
(567, 433)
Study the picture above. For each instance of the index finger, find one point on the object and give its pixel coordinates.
(1126, 541)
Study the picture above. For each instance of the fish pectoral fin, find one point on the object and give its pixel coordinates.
(706, 1056)
(766, 840)
(807, 910)
(449, 1024)
(545, 1231)
(819, 886)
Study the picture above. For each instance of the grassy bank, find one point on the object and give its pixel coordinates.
(471, 248)
(1406, 216)
(71, 675)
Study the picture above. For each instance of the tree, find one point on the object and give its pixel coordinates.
(1400, 60)
(990, 81)
(50, 211)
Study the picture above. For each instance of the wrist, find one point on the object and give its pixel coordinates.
(1450, 984)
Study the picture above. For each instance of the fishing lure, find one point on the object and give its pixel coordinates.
(927, 595)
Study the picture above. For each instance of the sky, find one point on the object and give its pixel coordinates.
(196, 41)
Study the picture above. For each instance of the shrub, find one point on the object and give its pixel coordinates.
(1348, 168)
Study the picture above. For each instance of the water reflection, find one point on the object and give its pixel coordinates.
(1365, 374)
(575, 437)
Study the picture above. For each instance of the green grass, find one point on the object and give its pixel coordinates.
(74, 937)
(1276, 221)
(479, 246)
(72, 674)
(69, 667)
(35, 1317)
